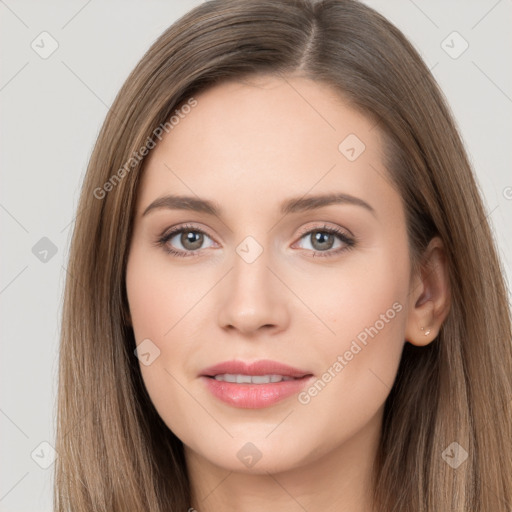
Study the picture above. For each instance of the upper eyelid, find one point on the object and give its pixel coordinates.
(326, 227)
(184, 227)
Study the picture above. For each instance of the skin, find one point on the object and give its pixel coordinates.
(250, 146)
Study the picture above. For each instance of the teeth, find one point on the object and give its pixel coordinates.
(251, 379)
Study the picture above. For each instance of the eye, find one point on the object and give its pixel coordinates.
(323, 239)
(190, 238)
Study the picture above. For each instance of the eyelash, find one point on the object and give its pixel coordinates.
(163, 240)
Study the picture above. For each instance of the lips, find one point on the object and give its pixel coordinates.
(254, 385)
(262, 367)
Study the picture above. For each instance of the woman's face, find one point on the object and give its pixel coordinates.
(280, 273)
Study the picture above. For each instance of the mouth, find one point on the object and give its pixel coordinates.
(261, 368)
(251, 379)
(254, 385)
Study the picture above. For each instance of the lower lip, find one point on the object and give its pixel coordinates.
(254, 396)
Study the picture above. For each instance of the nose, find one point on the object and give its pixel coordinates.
(253, 299)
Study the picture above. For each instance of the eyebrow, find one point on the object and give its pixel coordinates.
(292, 205)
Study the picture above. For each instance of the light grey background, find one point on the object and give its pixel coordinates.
(51, 112)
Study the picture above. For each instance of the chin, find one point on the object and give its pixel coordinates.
(260, 456)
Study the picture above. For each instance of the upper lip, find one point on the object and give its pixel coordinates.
(262, 367)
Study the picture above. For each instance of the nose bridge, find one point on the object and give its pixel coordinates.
(251, 295)
(250, 275)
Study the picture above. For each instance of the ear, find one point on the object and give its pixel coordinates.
(429, 296)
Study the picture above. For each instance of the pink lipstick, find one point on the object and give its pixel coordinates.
(254, 385)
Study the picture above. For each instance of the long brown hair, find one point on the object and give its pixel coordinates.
(114, 451)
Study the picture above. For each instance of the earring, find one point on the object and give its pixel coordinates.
(427, 332)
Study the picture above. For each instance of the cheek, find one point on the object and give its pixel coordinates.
(164, 302)
(365, 307)
(366, 347)
(158, 295)
(365, 297)
(158, 304)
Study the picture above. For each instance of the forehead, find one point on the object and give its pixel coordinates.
(267, 136)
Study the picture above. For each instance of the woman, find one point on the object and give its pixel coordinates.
(284, 292)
